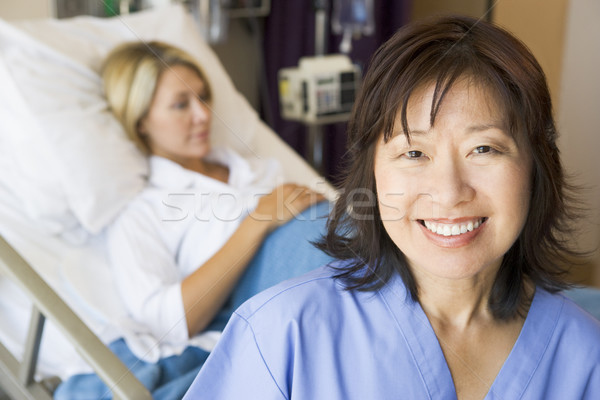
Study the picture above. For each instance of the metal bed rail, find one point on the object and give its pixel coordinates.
(17, 378)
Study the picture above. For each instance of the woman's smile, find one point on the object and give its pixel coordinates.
(200, 136)
(449, 228)
(452, 234)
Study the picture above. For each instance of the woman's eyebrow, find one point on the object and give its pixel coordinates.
(475, 128)
(411, 132)
(180, 91)
(486, 127)
(418, 132)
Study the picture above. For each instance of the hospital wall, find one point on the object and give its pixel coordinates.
(21, 9)
(579, 113)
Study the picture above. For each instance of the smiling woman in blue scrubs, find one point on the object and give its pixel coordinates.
(448, 231)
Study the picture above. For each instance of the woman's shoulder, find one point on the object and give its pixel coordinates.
(139, 208)
(292, 295)
(150, 213)
(558, 333)
(586, 297)
(572, 325)
(248, 169)
(577, 319)
(316, 301)
(317, 293)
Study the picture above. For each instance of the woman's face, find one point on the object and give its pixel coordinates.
(456, 197)
(178, 121)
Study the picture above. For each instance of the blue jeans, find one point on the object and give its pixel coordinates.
(168, 379)
(286, 253)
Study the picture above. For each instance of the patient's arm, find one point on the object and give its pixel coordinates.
(205, 291)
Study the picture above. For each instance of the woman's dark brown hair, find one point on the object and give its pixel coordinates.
(440, 51)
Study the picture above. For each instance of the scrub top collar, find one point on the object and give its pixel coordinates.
(516, 372)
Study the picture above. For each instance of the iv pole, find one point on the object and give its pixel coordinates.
(314, 145)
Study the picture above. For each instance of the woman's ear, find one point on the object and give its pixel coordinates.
(141, 127)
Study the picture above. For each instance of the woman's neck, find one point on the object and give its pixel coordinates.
(212, 170)
(456, 302)
(197, 165)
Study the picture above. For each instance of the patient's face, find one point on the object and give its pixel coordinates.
(177, 124)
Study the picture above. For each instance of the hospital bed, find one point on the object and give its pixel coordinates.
(67, 170)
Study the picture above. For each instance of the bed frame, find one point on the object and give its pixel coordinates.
(17, 377)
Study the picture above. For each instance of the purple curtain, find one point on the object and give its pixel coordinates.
(289, 33)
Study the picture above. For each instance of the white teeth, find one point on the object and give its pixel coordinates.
(452, 229)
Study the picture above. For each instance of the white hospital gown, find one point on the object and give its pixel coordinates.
(176, 224)
(309, 339)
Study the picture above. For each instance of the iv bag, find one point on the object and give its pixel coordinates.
(354, 15)
(352, 18)
(212, 19)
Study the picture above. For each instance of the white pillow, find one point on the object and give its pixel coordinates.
(62, 152)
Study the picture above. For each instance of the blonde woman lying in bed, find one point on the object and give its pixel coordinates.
(181, 247)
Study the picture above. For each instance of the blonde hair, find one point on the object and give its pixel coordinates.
(130, 74)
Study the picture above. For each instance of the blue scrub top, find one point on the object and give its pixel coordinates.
(309, 339)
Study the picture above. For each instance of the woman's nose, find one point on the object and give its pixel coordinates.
(200, 109)
(451, 185)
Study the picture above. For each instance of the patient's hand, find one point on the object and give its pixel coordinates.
(285, 202)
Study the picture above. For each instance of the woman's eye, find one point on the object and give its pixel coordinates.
(483, 149)
(180, 105)
(414, 154)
